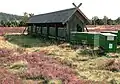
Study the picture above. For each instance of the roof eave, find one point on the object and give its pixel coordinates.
(77, 9)
(83, 15)
(69, 17)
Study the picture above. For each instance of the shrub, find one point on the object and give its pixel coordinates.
(5, 52)
(111, 65)
(41, 66)
(8, 78)
(18, 65)
(88, 52)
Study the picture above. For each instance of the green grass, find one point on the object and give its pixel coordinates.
(28, 41)
(118, 50)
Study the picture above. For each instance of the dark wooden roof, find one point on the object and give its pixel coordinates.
(55, 17)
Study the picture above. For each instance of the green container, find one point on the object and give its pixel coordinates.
(89, 38)
(78, 37)
(116, 33)
(93, 38)
(118, 37)
(108, 42)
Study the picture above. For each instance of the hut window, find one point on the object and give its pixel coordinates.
(29, 28)
(38, 29)
(34, 28)
(79, 28)
(61, 32)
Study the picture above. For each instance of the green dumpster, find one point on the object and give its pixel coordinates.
(78, 37)
(108, 42)
(118, 37)
(89, 38)
(93, 38)
(116, 33)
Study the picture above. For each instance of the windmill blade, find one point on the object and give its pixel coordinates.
(74, 5)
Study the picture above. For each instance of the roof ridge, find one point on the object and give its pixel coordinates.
(61, 16)
(54, 12)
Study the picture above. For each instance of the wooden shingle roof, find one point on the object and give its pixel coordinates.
(55, 17)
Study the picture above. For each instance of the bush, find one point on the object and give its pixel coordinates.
(18, 65)
(111, 65)
(8, 78)
(41, 66)
(88, 52)
(5, 52)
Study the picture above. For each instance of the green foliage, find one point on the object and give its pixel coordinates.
(110, 22)
(105, 21)
(25, 18)
(9, 17)
(118, 20)
(99, 22)
(94, 20)
(9, 20)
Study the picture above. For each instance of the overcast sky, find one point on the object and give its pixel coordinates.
(100, 8)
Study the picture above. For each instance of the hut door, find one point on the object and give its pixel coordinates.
(79, 28)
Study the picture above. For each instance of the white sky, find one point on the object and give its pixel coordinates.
(100, 8)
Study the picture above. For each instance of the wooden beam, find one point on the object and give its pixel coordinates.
(48, 29)
(76, 5)
(67, 32)
(41, 30)
(79, 5)
(26, 28)
(56, 32)
(32, 28)
(86, 28)
(36, 29)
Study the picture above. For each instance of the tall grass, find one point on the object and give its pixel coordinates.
(28, 41)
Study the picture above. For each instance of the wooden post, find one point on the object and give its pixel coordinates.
(41, 30)
(67, 32)
(48, 31)
(86, 28)
(56, 32)
(32, 29)
(36, 29)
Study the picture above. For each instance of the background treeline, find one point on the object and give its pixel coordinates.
(104, 21)
(10, 20)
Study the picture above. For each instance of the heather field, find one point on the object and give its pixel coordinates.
(7, 30)
(28, 60)
(98, 28)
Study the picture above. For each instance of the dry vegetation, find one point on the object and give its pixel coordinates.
(30, 60)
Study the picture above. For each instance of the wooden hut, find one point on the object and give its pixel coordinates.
(58, 24)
